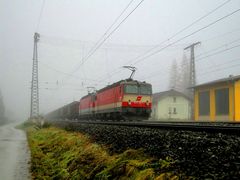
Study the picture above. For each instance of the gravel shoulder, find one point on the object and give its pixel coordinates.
(14, 153)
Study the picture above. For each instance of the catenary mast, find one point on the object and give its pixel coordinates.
(34, 86)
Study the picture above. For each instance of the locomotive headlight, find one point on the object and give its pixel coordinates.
(147, 103)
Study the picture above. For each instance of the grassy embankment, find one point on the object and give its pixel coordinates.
(59, 154)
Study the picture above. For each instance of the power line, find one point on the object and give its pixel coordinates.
(90, 54)
(179, 32)
(218, 69)
(67, 74)
(224, 45)
(222, 35)
(110, 27)
(219, 65)
(219, 47)
(80, 43)
(40, 16)
(182, 30)
(200, 29)
(218, 52)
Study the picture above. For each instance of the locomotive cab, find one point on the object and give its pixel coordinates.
(136, 99)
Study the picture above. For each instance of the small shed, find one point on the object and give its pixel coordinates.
(171, 105)
(218, 100)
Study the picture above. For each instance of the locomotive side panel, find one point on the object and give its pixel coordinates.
(108, 101)
(86, 106)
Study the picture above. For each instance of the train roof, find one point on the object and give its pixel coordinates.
(129, 81)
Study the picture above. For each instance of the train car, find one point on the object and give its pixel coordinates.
(126, 99)
(69, 111)
(72, 110)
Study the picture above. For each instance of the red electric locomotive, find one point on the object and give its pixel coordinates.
(126, 99)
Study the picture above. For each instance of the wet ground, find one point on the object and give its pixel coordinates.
(14, 153)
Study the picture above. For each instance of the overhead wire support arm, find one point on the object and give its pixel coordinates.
(131, 68)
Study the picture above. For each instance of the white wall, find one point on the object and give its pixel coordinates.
(164, 109)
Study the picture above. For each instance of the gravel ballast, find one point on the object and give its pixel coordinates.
(198, 154)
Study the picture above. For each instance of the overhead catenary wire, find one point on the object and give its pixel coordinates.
(183, 29)
(180, 39)
(214, 70)
(40, 16)
(199, 59)
(177, 33)
(219, 47)
(219, 69)
(67, 74)
(222, 35)
(116, 71)
(110, 27)
(99, 45)
(224, 45)
(218, 52)
(89, 55)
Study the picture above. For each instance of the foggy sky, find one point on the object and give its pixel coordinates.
(69, 29)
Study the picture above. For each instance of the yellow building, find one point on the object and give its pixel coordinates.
(218, 100)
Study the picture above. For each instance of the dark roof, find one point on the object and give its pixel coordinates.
(228, 79)
(171, 92)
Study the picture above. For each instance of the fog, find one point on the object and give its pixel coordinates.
(69, 29)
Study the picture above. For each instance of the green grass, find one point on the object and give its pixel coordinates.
(58, 154)
(29, 124)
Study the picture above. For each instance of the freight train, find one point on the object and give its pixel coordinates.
(124, 100)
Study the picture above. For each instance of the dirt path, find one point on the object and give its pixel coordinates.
(14, 154)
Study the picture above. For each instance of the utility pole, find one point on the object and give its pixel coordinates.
(192, 65)
(192, 77)
(34, 87)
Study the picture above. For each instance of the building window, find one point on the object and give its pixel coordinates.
(174, 99)
(204, 103)
(169, 110)
(222, 101)
(174, 111)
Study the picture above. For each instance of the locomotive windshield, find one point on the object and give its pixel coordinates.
(137, 89)
(132, 89)
(145, 89)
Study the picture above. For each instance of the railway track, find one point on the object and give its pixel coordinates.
(220, 127)
(199, 149)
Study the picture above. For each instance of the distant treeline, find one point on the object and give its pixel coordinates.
(3, 119)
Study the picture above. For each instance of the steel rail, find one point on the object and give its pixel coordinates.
(219, 127)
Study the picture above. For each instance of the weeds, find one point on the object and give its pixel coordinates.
(58, 154)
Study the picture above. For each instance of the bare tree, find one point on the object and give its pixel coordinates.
(2, 108)
(173, 75)
(185, 76)
(180, 76)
